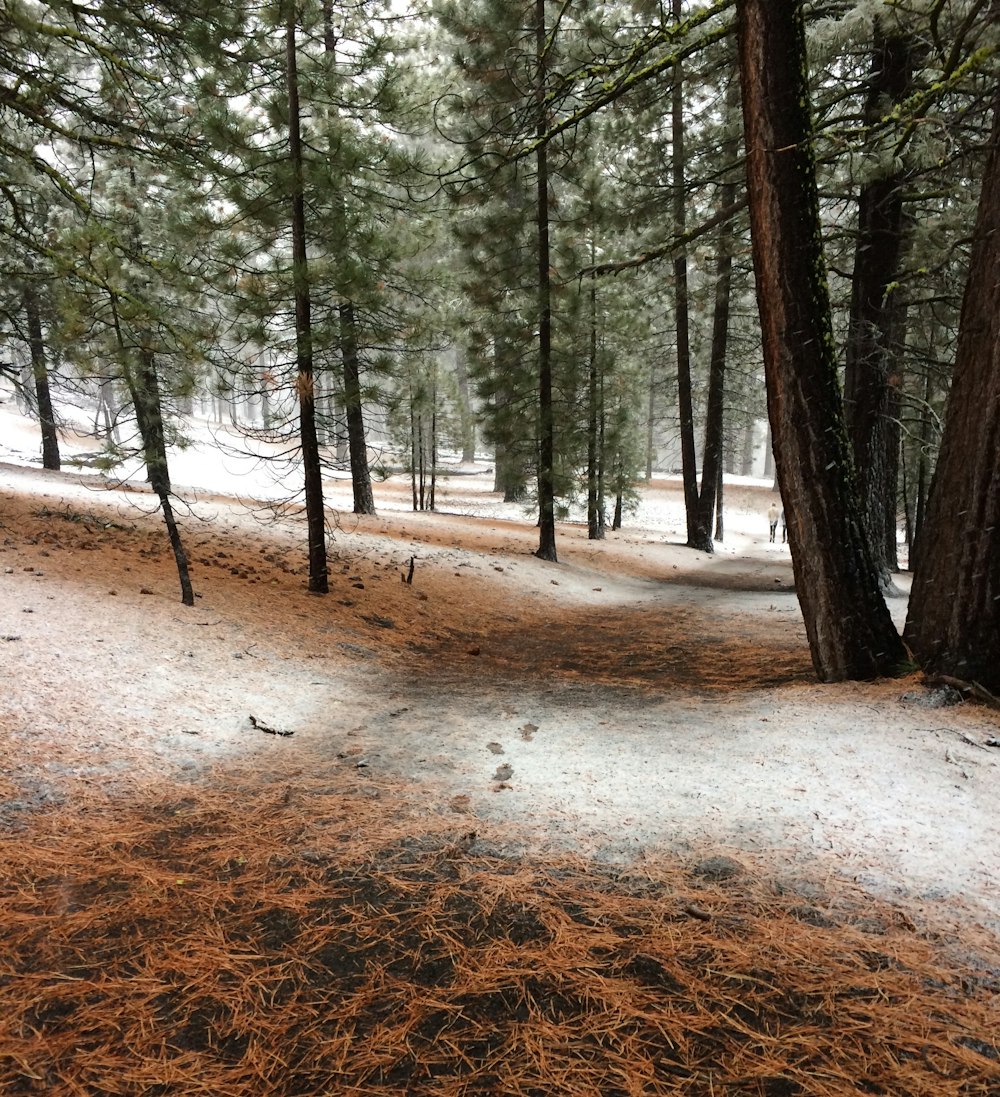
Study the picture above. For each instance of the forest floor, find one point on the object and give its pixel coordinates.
(514, 828)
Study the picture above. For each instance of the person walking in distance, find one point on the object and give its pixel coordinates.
(784, 527)
(772, 519)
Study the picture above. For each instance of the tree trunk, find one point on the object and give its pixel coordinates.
(414, 454)
(361, 477)
(595, 512)
(953, 624)
(869, 380)
(924, 439)
(711, 468)
(696, 538)
(851, 634)
(315, 517)
(650, 424)
(546, 419)
(40, 380)
(719, 525)
(466, 416)
(433, 449)
(107, 409)
(144, 390)
(357, 444)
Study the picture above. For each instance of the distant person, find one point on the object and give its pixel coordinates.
(772, 519)
(784, 527)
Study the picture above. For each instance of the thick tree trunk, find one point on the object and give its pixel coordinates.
(953, 625)
(40, 380)
(546, 419)
(315, 517)
(869, 379)
(851, 634)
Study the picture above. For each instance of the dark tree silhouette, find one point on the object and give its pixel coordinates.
(851, 634)
(953, 625)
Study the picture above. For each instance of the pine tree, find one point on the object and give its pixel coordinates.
(850, 632)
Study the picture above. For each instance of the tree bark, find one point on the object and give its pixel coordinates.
(595, 502)
(357, 444)
(953, 624)
(466, 414)
(315, 517)
(546, 419)
(851, 634)
(40, 378)
(711, 462)
(144, 390)
(870, 381)
(698, 538)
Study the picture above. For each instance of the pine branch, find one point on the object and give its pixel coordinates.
(666, 251)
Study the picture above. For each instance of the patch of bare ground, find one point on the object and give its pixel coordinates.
(286, 919)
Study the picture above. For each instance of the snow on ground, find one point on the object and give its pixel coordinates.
(486, 661)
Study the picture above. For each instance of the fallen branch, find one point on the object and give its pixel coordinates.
(267, 729)
(981, 693)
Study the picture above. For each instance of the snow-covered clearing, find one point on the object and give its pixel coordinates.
(644, 699)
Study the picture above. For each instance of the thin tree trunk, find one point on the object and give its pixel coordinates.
(546, 420)
(711, 469)
(413, 448)
(650, 421)
(40, 380)
(851, 634)
(466, 416)
(719, 527)
(361, 478)
(107, 411)
(920, 503)
(315, 517)
(696, 538)
(595, 517)
(432, 456)
(357, 444)
(144, 390)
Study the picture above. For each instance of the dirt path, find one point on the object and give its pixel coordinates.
(672, 698)
(514, 827)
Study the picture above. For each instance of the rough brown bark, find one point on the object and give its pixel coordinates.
(870, 383)
(711, 463)
(595, 425)
(851, 634)
(40, 376)
(697, 536)
(953, 625)
(308, 440)
(357, 443)
(546, 442)
(361, 477)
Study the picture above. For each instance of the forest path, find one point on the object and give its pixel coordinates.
(672, 697)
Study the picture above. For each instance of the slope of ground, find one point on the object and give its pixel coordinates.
(577, 828)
